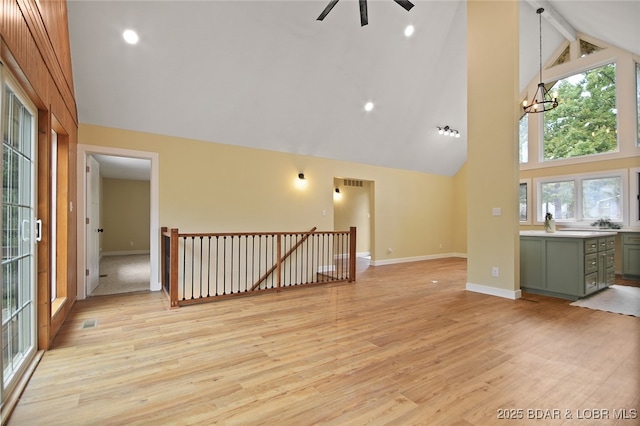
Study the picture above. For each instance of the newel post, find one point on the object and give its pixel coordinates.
(173, 278)
(279, 261)
(352, 254)
(163, 256)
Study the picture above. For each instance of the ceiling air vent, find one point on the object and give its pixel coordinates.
(352, 182)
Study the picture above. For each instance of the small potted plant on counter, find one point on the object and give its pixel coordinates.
(549, 223)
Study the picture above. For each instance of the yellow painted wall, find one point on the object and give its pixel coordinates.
(125, 215)
(492, 156)
(211, 187)
(460, 211)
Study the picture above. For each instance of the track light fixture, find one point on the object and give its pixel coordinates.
(301, 176)
(337, 190)
(542, 100)
(448, 131)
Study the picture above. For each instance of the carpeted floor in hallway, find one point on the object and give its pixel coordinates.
(123, 274)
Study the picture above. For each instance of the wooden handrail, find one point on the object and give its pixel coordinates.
(286, 255)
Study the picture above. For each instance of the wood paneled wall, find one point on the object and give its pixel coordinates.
(34, 47)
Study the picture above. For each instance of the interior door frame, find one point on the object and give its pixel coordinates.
(92, 239)
(154, 235)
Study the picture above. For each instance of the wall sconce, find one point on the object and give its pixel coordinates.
(448, 131)
(301, 182)
(337, 195)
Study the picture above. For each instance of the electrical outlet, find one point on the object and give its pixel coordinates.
(495, 271)
(389, 250)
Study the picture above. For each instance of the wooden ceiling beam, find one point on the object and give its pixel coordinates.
(555, 19)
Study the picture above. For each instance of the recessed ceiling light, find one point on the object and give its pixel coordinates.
(368, 106)
(408, 32)
(130, 36)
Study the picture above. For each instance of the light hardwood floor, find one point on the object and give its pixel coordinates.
(393, 348)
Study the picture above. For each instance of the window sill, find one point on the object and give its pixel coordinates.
(57, 304)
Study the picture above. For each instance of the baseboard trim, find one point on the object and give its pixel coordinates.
(415, 259)
(494, 291)
(125, 253)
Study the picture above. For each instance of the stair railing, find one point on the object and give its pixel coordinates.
(204, 267)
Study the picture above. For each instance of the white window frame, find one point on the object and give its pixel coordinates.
(529, 220)
(626, 101)
(634, 197)
(637, 112)
(577, 179)
(9, 382)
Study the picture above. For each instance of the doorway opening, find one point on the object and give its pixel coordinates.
(353, 206)
(118, 241)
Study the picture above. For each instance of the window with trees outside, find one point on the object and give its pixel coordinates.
(585, 198)
(525, 197)
(585, 121)
(524, 138)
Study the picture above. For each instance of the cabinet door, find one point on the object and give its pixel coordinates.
(631, 259)
(532, 263)
(564, 266)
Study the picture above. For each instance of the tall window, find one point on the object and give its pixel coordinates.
(18, 239)
(525, 196)
(524, 138)
(585, 121)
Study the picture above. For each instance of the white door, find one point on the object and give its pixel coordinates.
(19, 228)
(93, 224)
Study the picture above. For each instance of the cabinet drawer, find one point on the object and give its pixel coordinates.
(602, 244)
(590, 263)
(630, 238)
(611, 276)
(590, 246)
(610, 259)
(590, 283)
(611, 243)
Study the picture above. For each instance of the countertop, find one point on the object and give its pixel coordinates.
(564, 229)
(568, 234)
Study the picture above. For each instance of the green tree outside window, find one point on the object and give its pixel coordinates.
(585, 121)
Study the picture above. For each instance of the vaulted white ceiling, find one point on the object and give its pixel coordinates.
(267, 74)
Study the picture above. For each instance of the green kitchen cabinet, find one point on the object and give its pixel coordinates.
(566, 264)
(631, 255)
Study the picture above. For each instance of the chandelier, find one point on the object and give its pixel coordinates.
(542, 99)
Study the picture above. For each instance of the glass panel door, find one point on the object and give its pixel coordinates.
(18, 237)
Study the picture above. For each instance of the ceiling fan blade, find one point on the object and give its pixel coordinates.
(364, 19)
(405, 3)
(327, 9)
